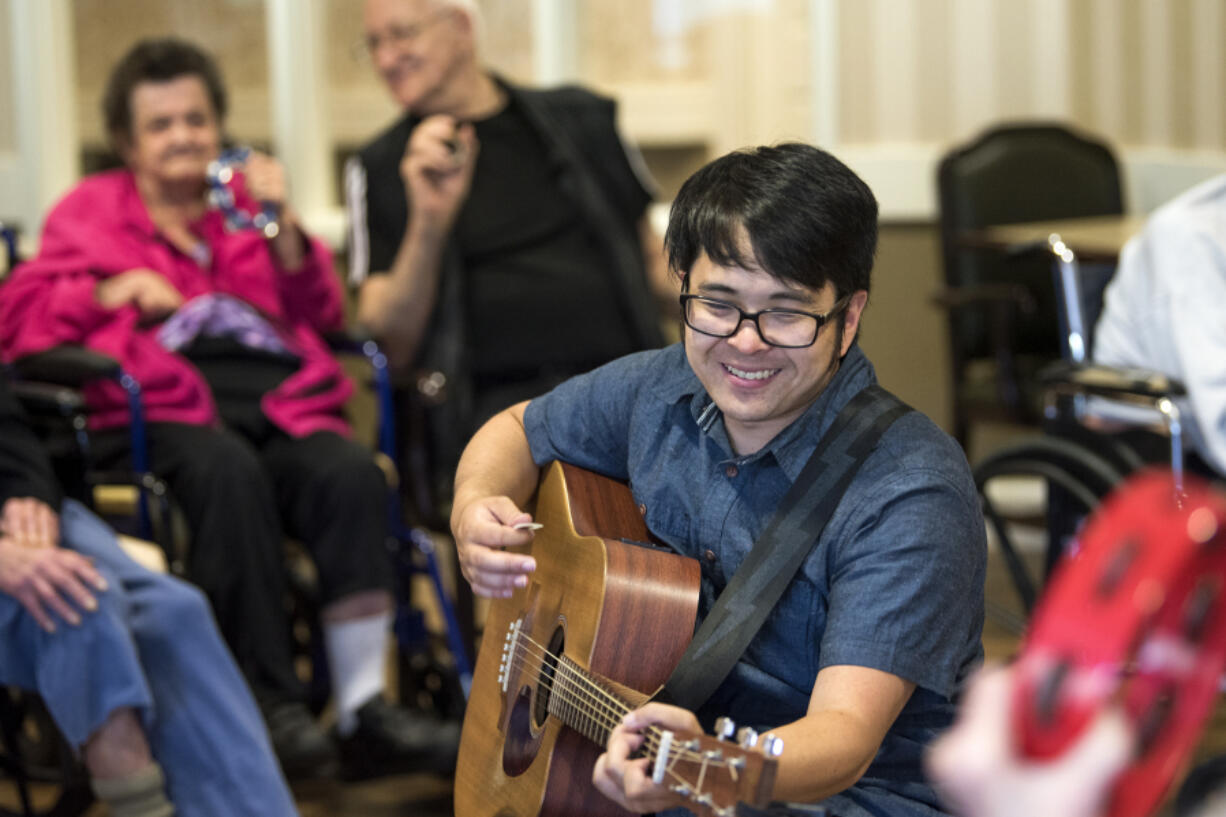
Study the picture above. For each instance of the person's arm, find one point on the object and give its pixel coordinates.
(437, 171)
(495, 478)
(25, 468)
(33, 569)
(1192, 261)
(825, 752)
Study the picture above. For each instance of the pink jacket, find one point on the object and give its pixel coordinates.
(101, 228)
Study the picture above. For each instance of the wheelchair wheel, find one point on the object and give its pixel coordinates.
(48, 779)
(1074, 478)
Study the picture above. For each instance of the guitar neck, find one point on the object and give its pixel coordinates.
(581, 701)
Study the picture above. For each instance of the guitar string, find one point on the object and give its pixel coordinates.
(612, 708)
(653, 737)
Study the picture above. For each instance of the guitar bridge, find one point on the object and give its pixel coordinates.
(510, 649)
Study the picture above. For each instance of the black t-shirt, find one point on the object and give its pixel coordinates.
(540, 297)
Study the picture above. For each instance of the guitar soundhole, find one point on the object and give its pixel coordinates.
(549, 671)
(528, 713)
(520, 746)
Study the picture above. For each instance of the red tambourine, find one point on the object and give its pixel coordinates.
(1135, 617)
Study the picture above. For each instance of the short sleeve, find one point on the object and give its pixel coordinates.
(906, 584)
(376, 212)
(587, 420)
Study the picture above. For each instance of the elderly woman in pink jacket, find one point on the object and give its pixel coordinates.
(221, 327)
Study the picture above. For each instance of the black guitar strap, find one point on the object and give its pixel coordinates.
(759, 582)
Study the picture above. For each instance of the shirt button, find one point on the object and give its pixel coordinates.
(730, 471)
(642, 509)
(709, 555)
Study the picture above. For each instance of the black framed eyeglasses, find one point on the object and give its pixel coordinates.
(785, 328)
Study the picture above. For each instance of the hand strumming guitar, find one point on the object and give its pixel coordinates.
(482, 530)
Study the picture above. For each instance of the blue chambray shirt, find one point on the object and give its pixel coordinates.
(895, 581)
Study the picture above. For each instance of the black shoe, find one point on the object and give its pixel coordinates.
(301, 746)
(392, 740)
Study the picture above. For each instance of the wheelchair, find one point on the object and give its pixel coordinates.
(1099, 425)
(49, 384)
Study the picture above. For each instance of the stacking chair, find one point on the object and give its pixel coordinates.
(1001, 305)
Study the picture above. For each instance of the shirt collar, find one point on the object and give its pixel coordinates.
(792, 447)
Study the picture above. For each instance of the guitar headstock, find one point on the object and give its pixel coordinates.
(715, 774)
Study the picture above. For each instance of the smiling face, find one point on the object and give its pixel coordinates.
(761, 388)
(174, 132)
(419, 47)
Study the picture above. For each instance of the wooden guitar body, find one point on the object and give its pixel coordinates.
(622, 612)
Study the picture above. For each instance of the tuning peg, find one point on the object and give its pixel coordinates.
(725, 728)
(772, 745)
(747, 737)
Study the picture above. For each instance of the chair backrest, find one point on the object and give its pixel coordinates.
(1018, 173)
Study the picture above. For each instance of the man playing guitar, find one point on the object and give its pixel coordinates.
(857, 665)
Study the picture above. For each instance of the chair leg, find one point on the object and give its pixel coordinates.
(11, 762)
(74, 796)
(420, 539)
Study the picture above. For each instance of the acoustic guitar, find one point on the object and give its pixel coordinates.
(599, 628)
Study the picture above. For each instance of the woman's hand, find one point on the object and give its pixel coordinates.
(147, 290)
(47, 579)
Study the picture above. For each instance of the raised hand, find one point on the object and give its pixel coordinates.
(437, 170)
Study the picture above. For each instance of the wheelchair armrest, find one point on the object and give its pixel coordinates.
(998, 296)
(1110, 381)
(71, 366)
(348, 341)
(47, 398)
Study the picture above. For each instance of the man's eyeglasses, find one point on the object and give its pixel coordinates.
(398, 36)
(786, 328)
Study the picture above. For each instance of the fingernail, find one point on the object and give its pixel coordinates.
(527, 565)
(101, 584)
(74, 620)
(49, 628)
(521, 581)
(90, 604)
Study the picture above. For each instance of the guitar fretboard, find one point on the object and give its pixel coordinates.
(584, 704)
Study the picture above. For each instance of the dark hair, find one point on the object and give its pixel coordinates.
(157, 60)
(809, 219)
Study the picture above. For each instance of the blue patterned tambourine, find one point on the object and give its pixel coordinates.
(221, 195)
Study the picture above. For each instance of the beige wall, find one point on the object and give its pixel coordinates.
(233, 30)
(887, 84)
(900, 82)
(8, 129)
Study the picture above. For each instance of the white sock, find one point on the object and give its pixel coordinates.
(357, 658)
(142, 794)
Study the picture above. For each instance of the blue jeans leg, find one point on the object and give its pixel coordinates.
(204, 727)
